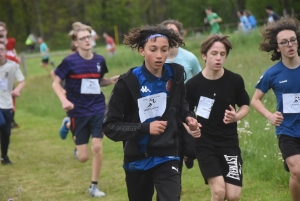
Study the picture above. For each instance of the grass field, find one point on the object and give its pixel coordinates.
(45, 169)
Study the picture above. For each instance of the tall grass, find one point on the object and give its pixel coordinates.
(44, 167)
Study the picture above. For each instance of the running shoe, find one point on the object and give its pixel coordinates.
(6, 161)
(95, 192)
(52, 64)
(63, 132)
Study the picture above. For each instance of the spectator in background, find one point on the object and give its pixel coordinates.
(110, 44)
(244, 24)
(10, 43)
(30, 42)
(95, 37)
(251, 19)
(213, 19)
(272, 15)
(45, 54)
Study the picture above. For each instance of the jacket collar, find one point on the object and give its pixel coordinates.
(150, 77)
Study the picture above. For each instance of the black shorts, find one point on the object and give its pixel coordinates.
(220, 161)
(84, 127)
(164, 177)
(45, 61)
(288, 145)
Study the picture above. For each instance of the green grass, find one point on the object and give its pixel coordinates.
(45, 169)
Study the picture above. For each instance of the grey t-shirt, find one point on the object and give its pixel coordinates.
(8, 73)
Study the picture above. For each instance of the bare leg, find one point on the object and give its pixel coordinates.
(82, 152)
(217, 188)
(294, 165)
(97, 158)
(233, 192)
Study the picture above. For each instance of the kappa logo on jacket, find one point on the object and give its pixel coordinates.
(145, 89)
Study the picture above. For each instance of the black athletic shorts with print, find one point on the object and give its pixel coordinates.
(288, 145)
(220, 161)
(84, 127)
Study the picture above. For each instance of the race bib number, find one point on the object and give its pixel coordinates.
(204, 107)
(152, 106)
(90, 86)
(291, 103)
(3, 84)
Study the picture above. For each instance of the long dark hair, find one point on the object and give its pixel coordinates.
(270, 32)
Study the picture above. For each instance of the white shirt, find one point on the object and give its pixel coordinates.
(8, 73)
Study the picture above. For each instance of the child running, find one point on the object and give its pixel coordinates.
(84, 102)
(143, 112)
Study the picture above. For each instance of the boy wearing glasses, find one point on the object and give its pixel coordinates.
(281, 38)
(84, 102)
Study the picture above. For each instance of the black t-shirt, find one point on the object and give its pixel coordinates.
(225, 91)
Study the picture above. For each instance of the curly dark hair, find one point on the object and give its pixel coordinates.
(270, 32)
(137, 37)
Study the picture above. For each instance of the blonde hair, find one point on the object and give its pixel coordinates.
(77, 27)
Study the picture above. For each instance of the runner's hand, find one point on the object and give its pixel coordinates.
(67, 105)
(230, 116)
(276, 118)
(15, 93)
(192, 123)
(114, 79)
(158, 127)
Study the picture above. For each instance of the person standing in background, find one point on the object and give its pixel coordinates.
(110, 44)
(213, 19)
(30, 42)
(244, 24)
(251, 19)
(272, 16)
(95, 37)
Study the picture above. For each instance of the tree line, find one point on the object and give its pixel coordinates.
(52, 19)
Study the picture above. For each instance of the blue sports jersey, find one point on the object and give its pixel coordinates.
(73, 70)
(284, 82)
(149, 85)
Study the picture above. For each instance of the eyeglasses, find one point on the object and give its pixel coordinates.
(85, 37)
(285, 43)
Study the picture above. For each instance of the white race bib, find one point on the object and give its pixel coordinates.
(90, 86)
(152, 106)
(291, 103)
(204, 107)
(3, 84)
